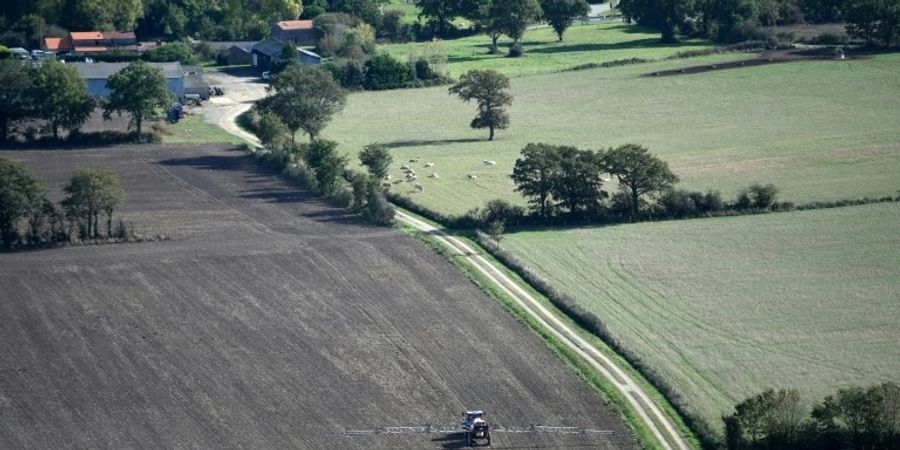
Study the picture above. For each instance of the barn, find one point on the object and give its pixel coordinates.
(266, 51)
(96, 75)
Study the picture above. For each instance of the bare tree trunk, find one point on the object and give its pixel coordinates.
(109, 224)
(96, 221)
(492, 134)
(137, 124)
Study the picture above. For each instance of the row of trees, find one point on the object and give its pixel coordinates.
(92, 194)
(496, 18)
(58, 95)
(561, 177)
(24, 22)
(876, 21)
(854, 418)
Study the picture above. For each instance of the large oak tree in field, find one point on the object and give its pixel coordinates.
(16, 80)
(61, 96)
(534, 175)
(305, 98)
(139, 89)
(665, 15)
(561, 14)
(488, 88)
(20, 193)
(638, 171)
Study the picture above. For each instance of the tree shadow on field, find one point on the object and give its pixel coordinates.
(427, 142)
(214, 162)
(278, 191)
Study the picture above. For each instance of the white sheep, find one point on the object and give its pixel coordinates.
(419, 188)
(433, 175)
(472, 177)
(388, 177)
(404, 167)
(414, 160)
(410, 177)
(385, 185)
(431, 164)
(490, 163)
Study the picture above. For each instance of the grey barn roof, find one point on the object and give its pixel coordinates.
(269, 47)
(193, 78)
(94, 71)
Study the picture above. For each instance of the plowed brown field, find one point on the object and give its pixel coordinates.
(269, 320)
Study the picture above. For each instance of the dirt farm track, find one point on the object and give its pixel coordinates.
(268, 320)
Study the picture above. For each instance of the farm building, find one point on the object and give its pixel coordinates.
(239, 55)
(92, 42)
(300, 32)
(96, 75)
(266, 51)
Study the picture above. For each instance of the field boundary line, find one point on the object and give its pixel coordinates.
(649, 412)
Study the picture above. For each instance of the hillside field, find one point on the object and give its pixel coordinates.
(818, 130)
(269, 319)
(724, 308)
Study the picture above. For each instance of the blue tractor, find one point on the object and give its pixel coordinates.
(477, 429)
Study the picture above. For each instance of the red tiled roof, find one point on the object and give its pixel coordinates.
(54, 44)
(86, 35)
(295, 25)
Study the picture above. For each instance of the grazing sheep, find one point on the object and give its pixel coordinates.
(431, 164)
(472, 177)
(419, 188)
(490, 163)
(404, 167)
(385, 185)
(410, 177)
(387, 177)
(433, 175)
(414, 160)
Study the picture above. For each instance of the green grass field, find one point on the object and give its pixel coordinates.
(193, 130)
(726, 307)
(583, 44)
(822, 130)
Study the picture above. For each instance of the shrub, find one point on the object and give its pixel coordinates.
(378, 210)
(351, 74)
(827, 38)
(501, 211)
(312, 11)
(385, 72)
(174, 52)
(392, 26)
(763, 197)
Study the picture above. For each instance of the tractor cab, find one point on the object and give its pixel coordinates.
(471, 417)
